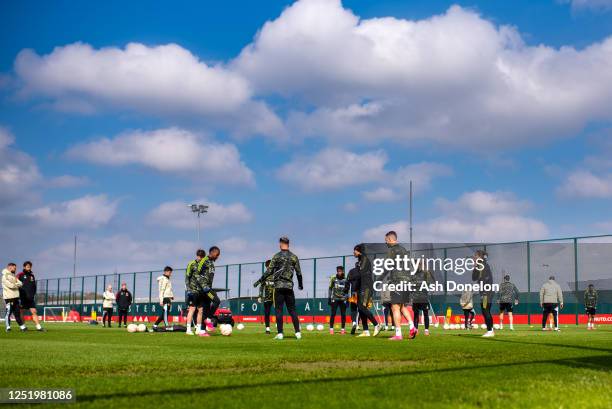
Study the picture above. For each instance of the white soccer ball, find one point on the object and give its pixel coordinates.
(436, 325)
(132, 328)
(495, 326)
(483, 326)
(309, 327)
(142, 328)
(240, 327)
(475, 326)
(320, 327)
(446, 326)
(226, 329)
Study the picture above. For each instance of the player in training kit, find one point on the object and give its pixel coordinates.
(281, 269)
(420, 297)
(551, 298)
(266, 296)
(467, 305)
(337, 296)
(10, 293)
(205, 281)
(508, 298)
(108, 299)
(483, 274)
(399, 300)
(364, 297)
(27, 293)
(166, 296)
(352, 281)
(195, 298)
(124, 300)
(590, 305)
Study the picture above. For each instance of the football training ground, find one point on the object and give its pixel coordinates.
(110, 368)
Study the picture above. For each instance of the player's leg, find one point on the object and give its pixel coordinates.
(555, 313)
(290, 302)
(406, 314)
(279, 302)
(354, 312)
(343, 315)
(466, 318)
(162, 315)
(511, 320)
(545, 313)
(332, 316)
(501, 316)
(425, 309)
(191, 308)
(200, 313)
(267, 310)
(397, 318)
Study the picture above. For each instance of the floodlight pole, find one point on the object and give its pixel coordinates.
(198, 210)
(410, 218)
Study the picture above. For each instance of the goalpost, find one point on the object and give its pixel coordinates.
(54, 314)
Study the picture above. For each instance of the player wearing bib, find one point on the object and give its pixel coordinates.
(210, 300)
(266, 296)
(590, 305)
(337, 296)
(364, 298)
(194, 296)
(508, 298)
(353, 281)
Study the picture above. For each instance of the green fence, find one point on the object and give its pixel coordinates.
(574, 261)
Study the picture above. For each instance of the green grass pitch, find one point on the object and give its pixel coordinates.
(111, 368)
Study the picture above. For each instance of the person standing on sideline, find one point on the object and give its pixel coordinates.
(27, 293)
(508, 298)
(266, 296)
(364, 297)
(108, 299)
(165, 296)
(420, 298)
(551, 299)
(482, 275)
(10, 293)
(124, 300)
(353, 281)
(281, 269)
(336, 298)
(590, 305)
(467, 305)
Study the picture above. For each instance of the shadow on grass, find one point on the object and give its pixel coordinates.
(551, 344)
(596, 362)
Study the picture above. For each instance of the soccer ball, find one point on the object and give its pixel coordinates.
(495, 326)
(240, 327)
(226, 329)
(320, 327)
(309, 327)
(475, 326)
(132, 328)
(446, 326)
(436, 325)
(454, 326)
(142, 328)
(483, 326)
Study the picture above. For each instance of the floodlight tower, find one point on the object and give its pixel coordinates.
(198, 209)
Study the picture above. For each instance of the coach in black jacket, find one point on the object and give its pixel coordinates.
(124, 300)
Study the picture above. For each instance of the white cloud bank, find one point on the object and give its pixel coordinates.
(171, 150)
(18, 170)
(88, 211)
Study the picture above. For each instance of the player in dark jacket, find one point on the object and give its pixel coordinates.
(337, 296)
(124, 300)
(281, 269)
(27, 293)
(364, 299)
(266, 296)
(485, 276)
(590, 305)
(420, 297)
(353, 281)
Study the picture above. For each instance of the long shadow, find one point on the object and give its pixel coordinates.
(584, 347)
(597, 362)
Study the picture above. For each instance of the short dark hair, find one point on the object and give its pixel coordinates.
(551, 277)
(341, 268)
(267, 263)
(27, 263)
(11, 265)
(214, 248)
(201, 253)
(507, 277)
(284, 240)
(167, 268)
(391, 233)
(359, 248)
(591, 285)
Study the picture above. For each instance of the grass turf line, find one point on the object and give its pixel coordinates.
(526, 368)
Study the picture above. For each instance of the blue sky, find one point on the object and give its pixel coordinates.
(306, 119)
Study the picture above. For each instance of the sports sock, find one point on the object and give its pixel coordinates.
(398, 331)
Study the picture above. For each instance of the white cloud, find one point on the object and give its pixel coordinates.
(585, 184)
(333, 168)
(18, 170)
(455, 78)
(475, 217)
(381, 194)
(176, 214)
(87, 212)
(162, 80)
(421, 174)
(169, 150)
